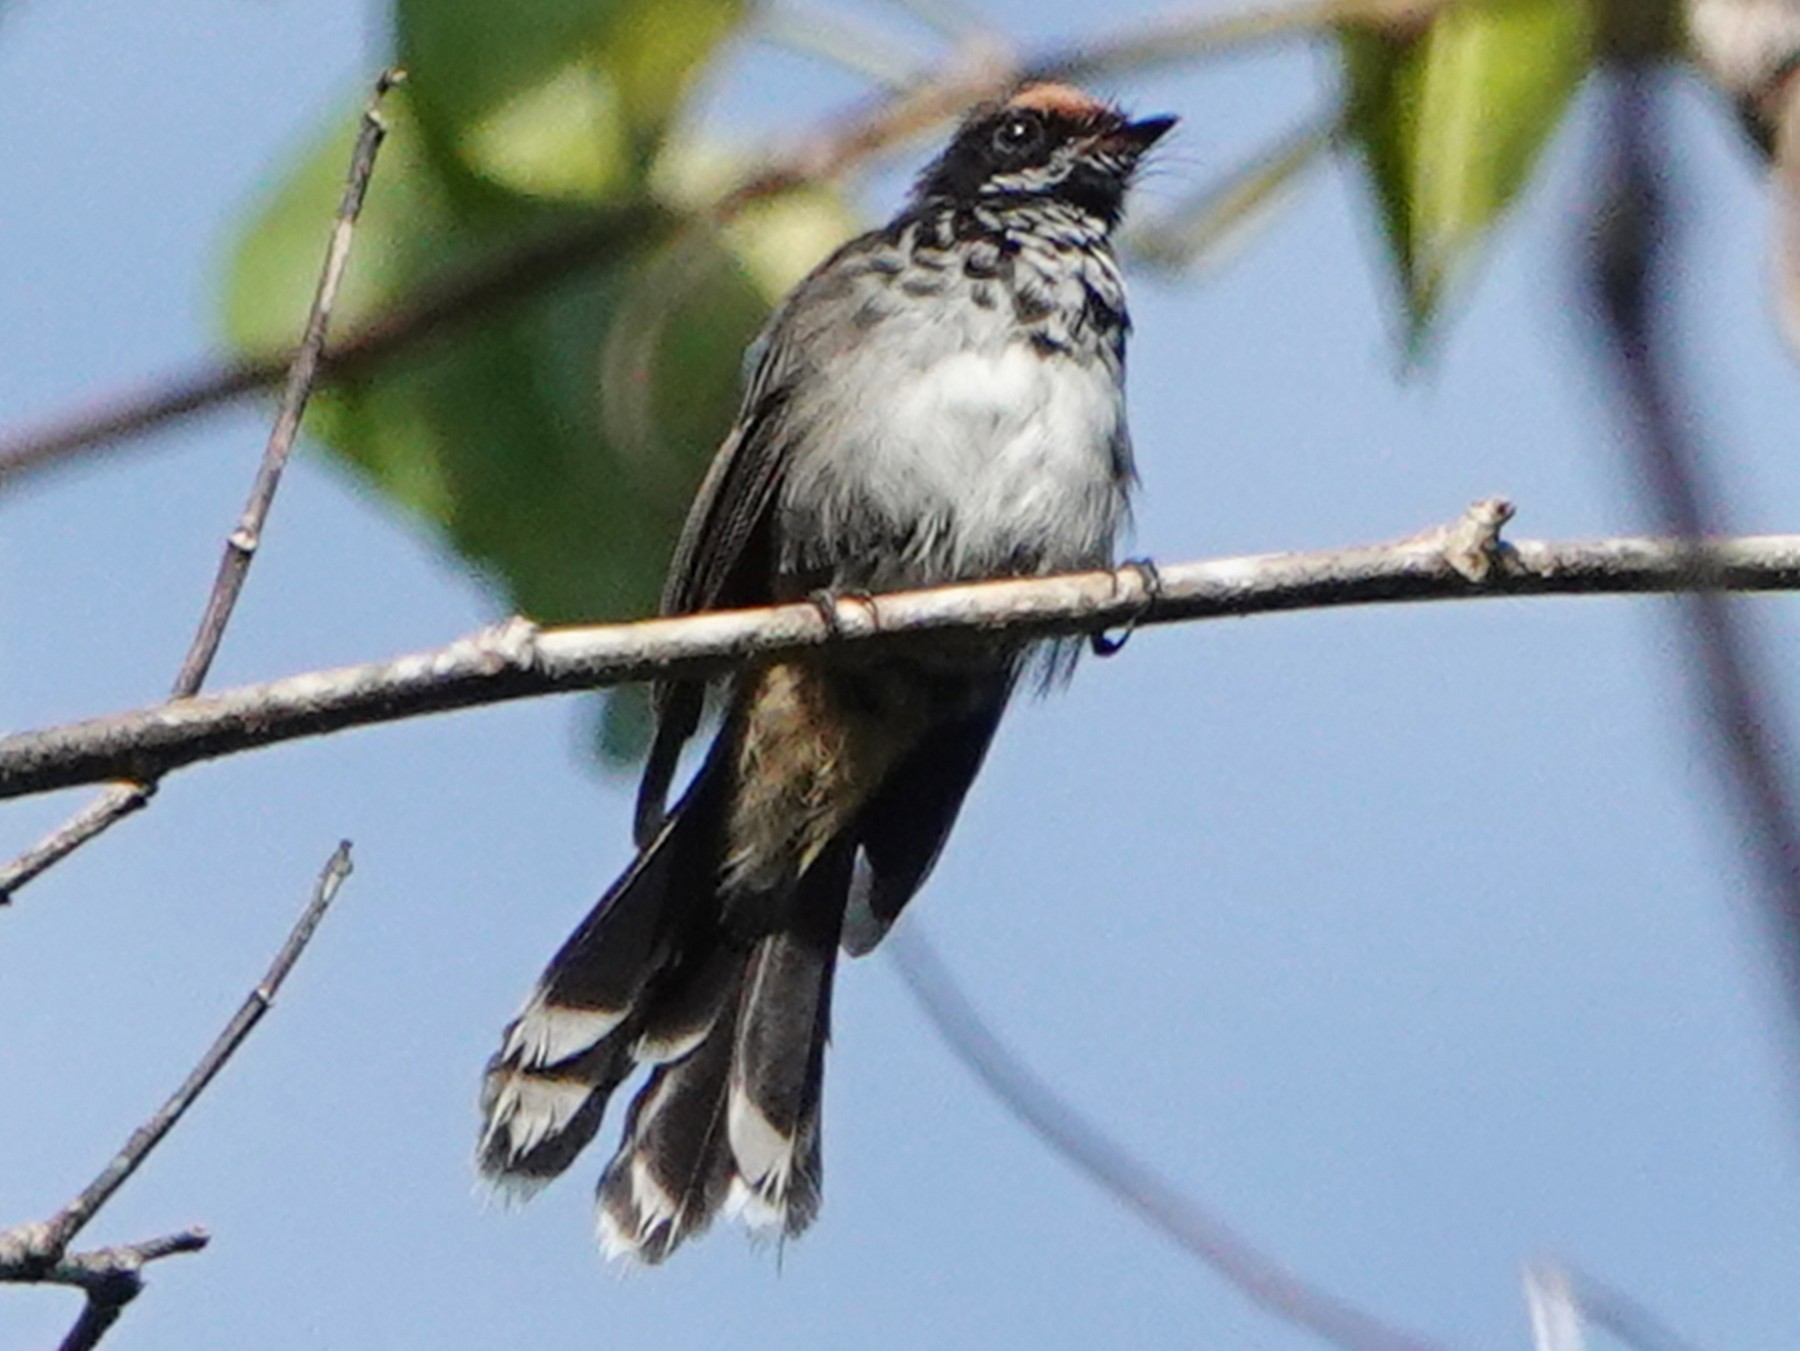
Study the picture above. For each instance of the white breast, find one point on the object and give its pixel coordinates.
(1013, 448)
(983, 453)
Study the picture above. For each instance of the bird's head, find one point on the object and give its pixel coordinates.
(1046, 141)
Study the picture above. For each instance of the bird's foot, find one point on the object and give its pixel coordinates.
(828, 601)
(1105, 645)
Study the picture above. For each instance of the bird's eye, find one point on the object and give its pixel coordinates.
(1017, 135)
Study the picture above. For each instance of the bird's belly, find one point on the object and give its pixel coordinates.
(984, 462)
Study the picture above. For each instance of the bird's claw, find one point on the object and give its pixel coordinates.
(826, 599)
(1104, 645)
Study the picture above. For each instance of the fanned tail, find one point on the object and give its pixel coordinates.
(710, 962)
(733, 1124)
(725, 998)
(624, 988)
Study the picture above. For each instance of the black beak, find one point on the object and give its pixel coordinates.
(1145, 132)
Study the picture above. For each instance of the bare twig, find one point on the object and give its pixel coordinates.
(241, 546)
(74, 1216)
(111, 1277)
(845, 141)
(849, 43)
(115, 802)
(1205, 32)
(1255, 1275)
(1625, 1318)
(121, 799)
(1564, 1303)
(516, 660)
(1630, 287)
(1556, 1321)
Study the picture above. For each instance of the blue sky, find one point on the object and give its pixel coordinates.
(1413, 940)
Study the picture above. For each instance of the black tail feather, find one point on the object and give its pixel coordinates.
(672, 1171)
(778, 1065)
(546, 1089)
(733, 1013)
(734, 1123)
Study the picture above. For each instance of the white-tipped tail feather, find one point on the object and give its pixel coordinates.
(544, 1034)
(527, 1110)
(764, 1158)
(720, 989)
(702, 1136)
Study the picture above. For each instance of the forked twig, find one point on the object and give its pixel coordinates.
(119, 800)
(112, 1277)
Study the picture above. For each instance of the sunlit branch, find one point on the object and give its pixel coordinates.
(1463, 561)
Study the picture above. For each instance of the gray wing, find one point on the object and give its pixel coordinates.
(726, 555)
(903, 828)
(723, 558)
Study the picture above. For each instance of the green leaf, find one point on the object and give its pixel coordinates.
(1450, 121)
(565, 99)
(552, 441)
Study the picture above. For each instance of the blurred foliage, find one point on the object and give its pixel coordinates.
(1450, 114)
(553, 442)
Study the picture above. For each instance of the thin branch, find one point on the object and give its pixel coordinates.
(74, 1216)
(23, 1257)
(440, 307)
(1630, 284)
(851, 44)
(516, 660)
(241, 546)
(845, 141)
(115, 802)
(1257, 1276)
(112, 1277)
(1625, 1318)
(1556, 1321)
(121, 799)
(1191, 35)
(139, 410)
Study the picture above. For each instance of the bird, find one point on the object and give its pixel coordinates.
(941, 400)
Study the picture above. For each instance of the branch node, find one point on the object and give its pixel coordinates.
(29, 1247)
(388, 78)
(511, 644)
(1472, 545)
(37, 1253)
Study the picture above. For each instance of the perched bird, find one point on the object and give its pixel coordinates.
(941, 400)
